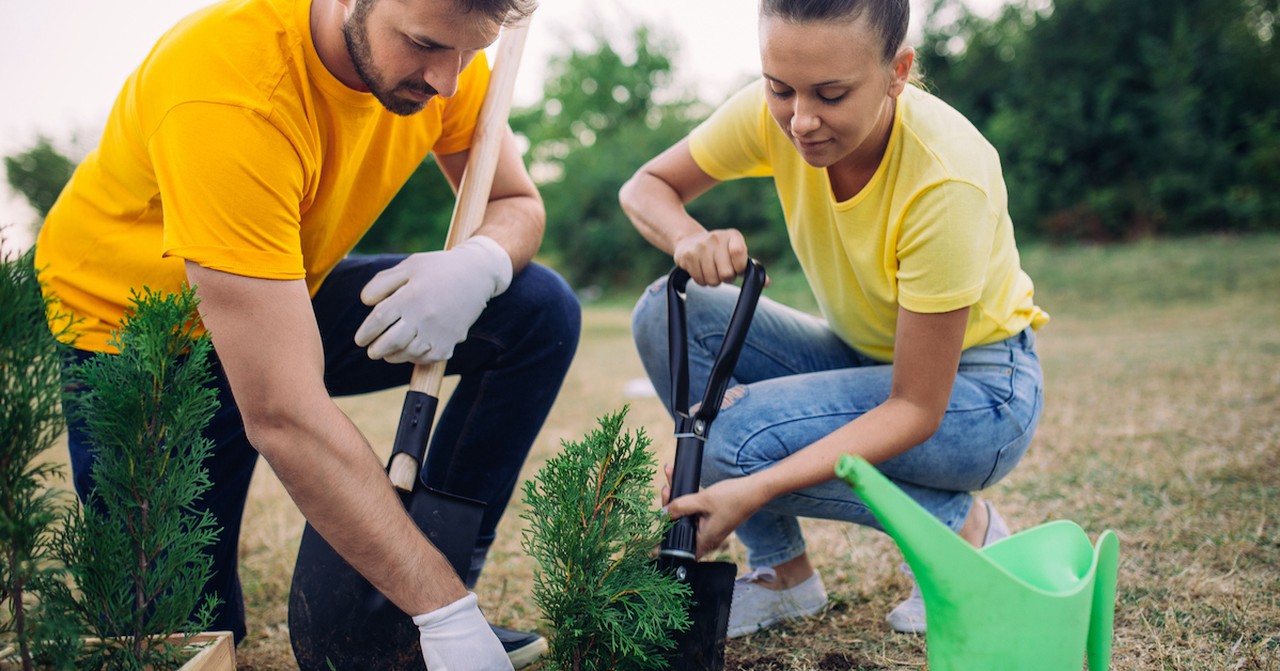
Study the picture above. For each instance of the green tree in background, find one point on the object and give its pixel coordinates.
(603, 115)
(39, 174)
(1120, 119)
(1114, 120)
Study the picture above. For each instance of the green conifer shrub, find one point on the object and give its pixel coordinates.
(30, 421)
(137, 549)
(592, 529)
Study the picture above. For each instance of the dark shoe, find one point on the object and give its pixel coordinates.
(523, 647)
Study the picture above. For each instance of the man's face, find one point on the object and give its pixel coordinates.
(408, 51)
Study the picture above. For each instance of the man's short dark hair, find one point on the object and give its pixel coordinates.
(506, 12)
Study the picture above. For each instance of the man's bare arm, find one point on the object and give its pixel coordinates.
(265, 334)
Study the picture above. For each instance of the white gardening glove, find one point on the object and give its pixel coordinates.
(457, 638)
(424, 305)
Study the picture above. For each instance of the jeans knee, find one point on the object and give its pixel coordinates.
(721, 453)
(717, 464)
(649, 322)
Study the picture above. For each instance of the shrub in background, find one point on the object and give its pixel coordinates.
(591, 528)
(1118, 120)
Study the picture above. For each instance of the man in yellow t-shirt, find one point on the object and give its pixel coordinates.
(247, 155)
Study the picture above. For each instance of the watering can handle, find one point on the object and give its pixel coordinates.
(692, 428)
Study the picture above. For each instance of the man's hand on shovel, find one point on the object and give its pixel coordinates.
(424, 305)
(720, 508)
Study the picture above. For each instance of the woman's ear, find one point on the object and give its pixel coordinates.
(901, 67)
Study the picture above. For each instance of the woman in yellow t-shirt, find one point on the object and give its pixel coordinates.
(924, 361)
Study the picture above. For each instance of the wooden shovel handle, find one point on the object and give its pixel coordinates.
(473, 197)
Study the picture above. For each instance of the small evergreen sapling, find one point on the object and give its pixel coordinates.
(592, 529)
(30, 421)
(137, 549)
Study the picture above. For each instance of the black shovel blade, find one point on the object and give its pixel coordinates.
(701, 646)
(337, 620)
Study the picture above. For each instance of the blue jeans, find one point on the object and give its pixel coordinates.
(797, 382)
(511, 365)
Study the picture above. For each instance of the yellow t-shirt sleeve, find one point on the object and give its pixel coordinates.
(733, 142)
(462, 110)
(944, 248)
(226, 207)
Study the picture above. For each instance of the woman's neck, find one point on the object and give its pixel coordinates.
(852, 173)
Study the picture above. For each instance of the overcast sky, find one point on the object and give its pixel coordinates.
(65, 60)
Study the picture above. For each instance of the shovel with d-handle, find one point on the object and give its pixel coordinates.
(337, 620)
(701, 647)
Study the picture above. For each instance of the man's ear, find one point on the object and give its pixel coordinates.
(901, 67)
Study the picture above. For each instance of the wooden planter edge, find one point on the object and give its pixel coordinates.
(217, 653)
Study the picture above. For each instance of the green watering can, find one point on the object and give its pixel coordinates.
(1039, 599)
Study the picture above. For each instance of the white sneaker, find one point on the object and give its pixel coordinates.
(755, 607)
(908, 616)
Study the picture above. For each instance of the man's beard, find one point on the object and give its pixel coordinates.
(356, 34)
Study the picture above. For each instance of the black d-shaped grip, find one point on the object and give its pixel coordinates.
(692, 428)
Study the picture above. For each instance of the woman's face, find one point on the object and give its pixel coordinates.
(829, 88)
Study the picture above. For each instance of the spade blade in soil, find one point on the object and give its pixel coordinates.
(337, 620)
(701, 646)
